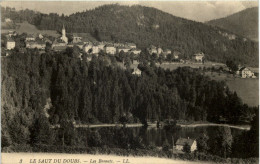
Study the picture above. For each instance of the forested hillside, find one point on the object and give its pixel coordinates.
(58, 88)
(146, 26)
(244, 23)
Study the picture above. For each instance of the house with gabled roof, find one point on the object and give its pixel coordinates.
(110, 49)
(40, 44)
(198, 57)
(137, 72)
(183, 141)
(10, 43)
(123, 48)
(245, 72)
(58, 43)
(135, 51)
(30, 37)
(76, 38)
(152, 49)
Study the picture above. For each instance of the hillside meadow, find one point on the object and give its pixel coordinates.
(247, 89)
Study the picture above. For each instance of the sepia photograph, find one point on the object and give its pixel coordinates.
(129, 82)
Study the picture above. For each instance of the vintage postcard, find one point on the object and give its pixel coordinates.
(129, 82)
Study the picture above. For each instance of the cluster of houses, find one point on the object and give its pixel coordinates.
(78, 39)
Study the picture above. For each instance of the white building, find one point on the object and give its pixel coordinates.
(30, 37)
(95, 49)
(10, 44)
(87, 47)
(76, 38)
(152, 50)
(137, 72)
(159, 50)
(110, 49)
(198, 57)
(183, 141)
(176, 54)
(167, 51)
(123, 48)
(8, 20)
(245, 72)
(135, 51)
(36, 44)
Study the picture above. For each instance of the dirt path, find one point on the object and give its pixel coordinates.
(242, 127)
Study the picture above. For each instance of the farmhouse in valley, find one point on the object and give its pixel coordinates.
(245, 72)
(182, 141)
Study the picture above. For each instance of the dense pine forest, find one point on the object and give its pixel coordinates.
(40, 90)
(146, 26)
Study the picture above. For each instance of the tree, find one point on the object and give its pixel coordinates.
(186, 148)
(202, 143)
(170, 57)
(222, 143)
(233, 67)
(166, 145)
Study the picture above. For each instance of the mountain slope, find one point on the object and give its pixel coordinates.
(147, 26)
(244, 23)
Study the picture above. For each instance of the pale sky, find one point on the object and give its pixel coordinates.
(194, 10)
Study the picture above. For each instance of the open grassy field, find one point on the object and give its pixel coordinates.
(247, 89)
(173, 66)
(25, 27)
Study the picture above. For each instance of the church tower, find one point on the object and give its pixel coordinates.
(63, 31)
(63, 37)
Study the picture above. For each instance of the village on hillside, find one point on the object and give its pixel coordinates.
(81, 40)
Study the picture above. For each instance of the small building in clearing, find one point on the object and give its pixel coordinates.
(152, 50)
(10, 43)
(176, 54)
(159, 50)
(198, 57)
(137, 72)
(167, 51)
(182, 141)
(245, 72)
